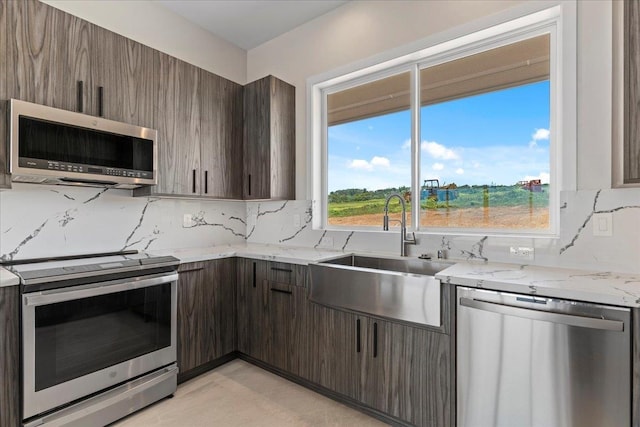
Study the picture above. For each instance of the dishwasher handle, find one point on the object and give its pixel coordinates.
(545, 316)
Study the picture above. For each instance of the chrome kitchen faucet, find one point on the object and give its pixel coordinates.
(404, 239)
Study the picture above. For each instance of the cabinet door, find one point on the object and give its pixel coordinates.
(269, 139)
(221, 136)
(278, 325)
(10, 337)
(375, 363)
(336, 350)
(257, 140)
(5, 178)
(419, 379)
(206, 315)
(283, 140)
(632, 92)
(178, 123)
(47, 55)
(251, 307)
(126, 72)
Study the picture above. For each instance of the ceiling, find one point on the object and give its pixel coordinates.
(249, 23)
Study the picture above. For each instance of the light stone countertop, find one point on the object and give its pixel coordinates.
(288, 254)
(7, 278)
(583, 285)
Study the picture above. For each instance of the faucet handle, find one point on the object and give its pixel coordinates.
(410, 240)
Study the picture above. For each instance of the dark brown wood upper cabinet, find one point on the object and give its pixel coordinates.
(269, 140)
(177, 120)
(48, 56)
(5, 178)
(631, 92)
(220, 137)
(126, 72)
(205, 148)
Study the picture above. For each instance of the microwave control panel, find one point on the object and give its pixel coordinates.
(83, 169)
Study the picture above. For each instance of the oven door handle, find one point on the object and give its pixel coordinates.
(95, 289)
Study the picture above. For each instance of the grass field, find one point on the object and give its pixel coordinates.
(474, 207)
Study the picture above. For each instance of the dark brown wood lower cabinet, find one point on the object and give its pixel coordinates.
(272, 314)
(335, 352)
(10, 387)
(400, 370)
(206, 312)
(251, 307)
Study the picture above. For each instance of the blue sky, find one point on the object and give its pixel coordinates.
(500, 137)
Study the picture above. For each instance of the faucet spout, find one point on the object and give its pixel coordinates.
(404, 239)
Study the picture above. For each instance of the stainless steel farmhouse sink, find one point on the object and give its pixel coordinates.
(395, 288)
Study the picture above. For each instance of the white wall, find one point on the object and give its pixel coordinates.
(358, 31)
(153, 25)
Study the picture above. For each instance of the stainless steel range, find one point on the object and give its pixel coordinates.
(98, 336)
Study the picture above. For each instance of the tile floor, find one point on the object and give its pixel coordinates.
(243, 395)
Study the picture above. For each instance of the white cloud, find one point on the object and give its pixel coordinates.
(360, 164)
(539, 135)
(544, 177)
(380, 161)
(376, 162)
(438, 151)
(437, 166)
(459, 171)
(406, 145)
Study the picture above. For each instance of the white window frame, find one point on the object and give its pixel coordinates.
(517, 24)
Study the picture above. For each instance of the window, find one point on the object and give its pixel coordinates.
(468, 134)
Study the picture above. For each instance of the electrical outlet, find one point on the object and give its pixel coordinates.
(603, 224)
(187, 220)
(522, 252)
(296, 220)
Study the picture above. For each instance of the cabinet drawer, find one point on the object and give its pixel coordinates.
(281, 272)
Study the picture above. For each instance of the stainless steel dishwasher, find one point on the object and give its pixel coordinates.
(532, 361)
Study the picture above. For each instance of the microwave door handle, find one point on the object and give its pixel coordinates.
(94, 289)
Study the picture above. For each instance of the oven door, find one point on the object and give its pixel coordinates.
(83, 339)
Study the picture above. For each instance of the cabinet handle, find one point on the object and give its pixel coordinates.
(189, 270)
(286, 270)
(194, 181)
(206, 182)
(254, 274)
(282, 291)
(100, 101)
(358, 342)
(80, 93)
(249, 189)
(375, 339)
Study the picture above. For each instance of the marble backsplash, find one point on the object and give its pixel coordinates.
(576, 247)
(41, 221)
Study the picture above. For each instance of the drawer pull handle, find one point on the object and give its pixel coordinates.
(286, 270)
(282, 291)
(100, 101)
(80, 94)
(254, 274)
(190, 270)
(375, 339)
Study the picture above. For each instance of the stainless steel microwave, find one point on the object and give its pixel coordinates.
(52, 146)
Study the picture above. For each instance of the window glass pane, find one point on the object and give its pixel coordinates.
(369, 152)
(485, 158)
